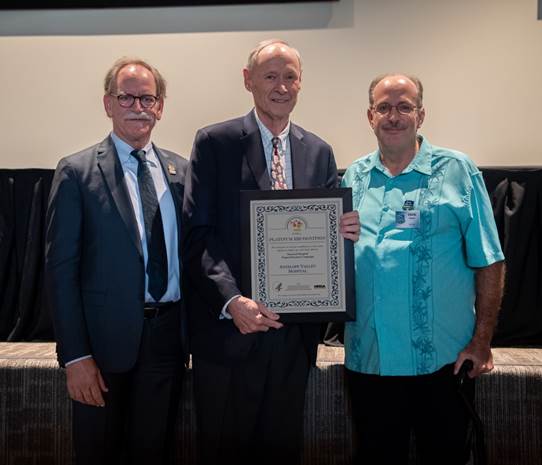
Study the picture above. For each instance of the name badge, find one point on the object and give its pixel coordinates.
(407, 219)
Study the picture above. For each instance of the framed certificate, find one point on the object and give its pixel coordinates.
(294, 259)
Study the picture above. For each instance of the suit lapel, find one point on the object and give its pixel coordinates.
(109, 164)
(251, 141)
(299, 159)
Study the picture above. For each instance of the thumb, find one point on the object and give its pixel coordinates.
(460, 359)
(101, 382)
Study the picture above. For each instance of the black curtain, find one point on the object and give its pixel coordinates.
(24, 315)
(516, 195)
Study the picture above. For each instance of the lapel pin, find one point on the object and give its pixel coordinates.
(171, 169)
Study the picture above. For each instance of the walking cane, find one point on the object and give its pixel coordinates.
(478, 444)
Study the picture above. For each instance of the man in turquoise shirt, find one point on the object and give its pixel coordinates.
(429, 279)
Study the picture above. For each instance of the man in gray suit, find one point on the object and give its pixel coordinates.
(113, 278)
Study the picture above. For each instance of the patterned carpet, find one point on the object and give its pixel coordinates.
(35, 413)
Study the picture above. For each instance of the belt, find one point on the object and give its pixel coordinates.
(154, 310)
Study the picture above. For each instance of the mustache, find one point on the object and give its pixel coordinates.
(393, 125)
(142, 115)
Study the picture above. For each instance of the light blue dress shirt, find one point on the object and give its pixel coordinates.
(167, 209)
(415, 287)
(284, 149)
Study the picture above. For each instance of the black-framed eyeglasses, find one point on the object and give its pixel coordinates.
(385, 108)
(127, 100)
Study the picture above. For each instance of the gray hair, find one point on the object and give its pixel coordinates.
(414, 79)
(110, 80)
(253, 56)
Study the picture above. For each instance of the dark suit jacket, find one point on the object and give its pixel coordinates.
(226, 158)
(95, 272)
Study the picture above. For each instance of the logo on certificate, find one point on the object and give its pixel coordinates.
(296, 224)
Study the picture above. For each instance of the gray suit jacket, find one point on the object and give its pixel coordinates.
(95, 273)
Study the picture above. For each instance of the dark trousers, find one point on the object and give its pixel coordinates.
(386, 409)
(136, 426)
(251, 411)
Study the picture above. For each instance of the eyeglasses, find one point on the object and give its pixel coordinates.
(127, 100)
(403, 108)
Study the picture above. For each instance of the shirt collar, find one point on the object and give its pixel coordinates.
(124, 149)
(267, 135)
(421, 161)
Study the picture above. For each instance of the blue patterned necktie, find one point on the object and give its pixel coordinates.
(154, 230)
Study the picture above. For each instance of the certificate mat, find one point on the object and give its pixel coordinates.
(295, 260)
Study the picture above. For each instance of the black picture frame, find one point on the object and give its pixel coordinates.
(348, 313)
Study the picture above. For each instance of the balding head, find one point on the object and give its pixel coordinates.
(394, 77)
(273, 76)
(270, 46)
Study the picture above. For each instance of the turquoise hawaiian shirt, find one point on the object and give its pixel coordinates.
(415, 286)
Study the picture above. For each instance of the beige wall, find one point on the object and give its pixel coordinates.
(480, 61)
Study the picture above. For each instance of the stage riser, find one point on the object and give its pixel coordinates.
(35, 412)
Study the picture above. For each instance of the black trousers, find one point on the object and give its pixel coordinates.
(137, 424)
(251, 411)
(387, 409)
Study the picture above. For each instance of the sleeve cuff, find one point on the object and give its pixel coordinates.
(78, 359)
(224, 314)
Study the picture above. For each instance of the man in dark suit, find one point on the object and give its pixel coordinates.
(113, 278)
(250, 370)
